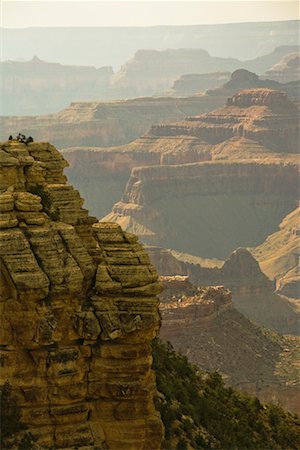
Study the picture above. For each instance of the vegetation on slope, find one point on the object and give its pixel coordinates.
(199, 412)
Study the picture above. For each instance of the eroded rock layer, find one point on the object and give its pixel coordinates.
(204, 325)
(207, 208)
(252, 292)
(78, 312)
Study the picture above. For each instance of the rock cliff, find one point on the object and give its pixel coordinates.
(234, 199)
(39, 87)
(78, 312)
(286, 70)
(252, 292)
(194, 83)
(152, 71)
(244, 79)
(205, 326)
(263, 115)
(208, 208)
(104, 123)
(278, 255)
(105, 171)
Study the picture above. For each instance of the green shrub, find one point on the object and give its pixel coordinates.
(232, 420)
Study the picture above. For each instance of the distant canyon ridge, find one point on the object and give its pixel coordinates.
(39, 87)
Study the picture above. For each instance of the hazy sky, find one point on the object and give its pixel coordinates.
(16, 14)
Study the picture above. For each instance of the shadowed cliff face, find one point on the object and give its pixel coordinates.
(238, 197)
(285, 70)
(152, 71)
(104, 123)
(78, 312)
(252, 292)
(205, 326)
(278, 255)
(208, 208)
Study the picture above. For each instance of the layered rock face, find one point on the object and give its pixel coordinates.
(104, 123)
(286, 70)
(235, 199)
(78, 312)
(244, 79)
(204, 324)
(195, 83)
(252, 292)
(279, 255)
(207, 208)
(106, 171)
(151, 71)
(262, 115)
(39, 87)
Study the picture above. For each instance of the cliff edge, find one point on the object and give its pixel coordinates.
(78, 312)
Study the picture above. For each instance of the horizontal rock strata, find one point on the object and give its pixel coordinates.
(78, 312)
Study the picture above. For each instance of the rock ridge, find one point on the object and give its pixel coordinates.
(78, 312)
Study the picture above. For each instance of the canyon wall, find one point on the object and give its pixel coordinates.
(252, 292)
(205, 326)
(78, 312)
(285, 70)
(278, 255)
(104, 123)
(111, 46)
(207, 208)
(151, 71)
(39, 87)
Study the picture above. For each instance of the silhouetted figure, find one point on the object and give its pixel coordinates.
(10, 138)
(28, 140)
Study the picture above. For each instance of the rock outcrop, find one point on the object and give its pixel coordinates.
(207, 208)
(278, 255)
(152, 71)
(39, 87)
(239, 199)
(78, 312)
(107, 170)
(103, 123)
(244, 79)
(205, 326)
(194, 83)
(252, 292)
(263, 115)
(286, 70)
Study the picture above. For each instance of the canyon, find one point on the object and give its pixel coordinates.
(250, 145)
(37, 87)
(206, 327)
(151, 72)
(78, 312)
(111, 46)
(253, 293)
(285, 70)
(106, 123)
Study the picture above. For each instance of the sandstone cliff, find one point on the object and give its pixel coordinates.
(263, 115)
(252, 292)
(102, 173)
(78, 312)
(39, 87)
(286, 70)
(278, 255)
(244, 79)
(207, 208)
(205, 326)
(235, 198)
(151, 71)
(194, 83)
(104, 123)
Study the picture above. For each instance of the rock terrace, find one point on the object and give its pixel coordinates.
(78, 312)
